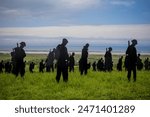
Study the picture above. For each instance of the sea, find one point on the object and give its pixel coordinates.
(93, 49)
(97, 45)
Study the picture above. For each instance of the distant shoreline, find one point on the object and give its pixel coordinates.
(76, 52)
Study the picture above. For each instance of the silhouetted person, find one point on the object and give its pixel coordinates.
(94, 66)
(139, 63)
(100, 65)
(119, 64)
(8, 67)
(18, 55)
(146, 64)
(131, 53)
(108, 60)
(84, 59)
(50, 61)
(41, 66)
(71, 62)
(1, 66)
(31, 67)
(62, 57)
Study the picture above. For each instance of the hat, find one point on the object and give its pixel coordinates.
(134, 41)
(23, 43)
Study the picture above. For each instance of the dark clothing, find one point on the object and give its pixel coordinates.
(8, 67)
(83, 61)
(94, 66)
(62, 63)
(71, 63)
(139, 63)
(50, 62)
(147, 64)
(100, 65)
(31, 67)
(18, 63)
(126, 62)
(108, 61)
(132, 60)
(1, 66)
(41, 66)
(119, 64)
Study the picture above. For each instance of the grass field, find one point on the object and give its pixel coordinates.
(94, 86)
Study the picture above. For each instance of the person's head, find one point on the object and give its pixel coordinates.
(87, 45)
(22, 44)
(134, 42)
(139, 55)
(73, 54)
(110, 49)
(64, 41)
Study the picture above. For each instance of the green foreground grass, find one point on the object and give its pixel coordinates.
(93, 86)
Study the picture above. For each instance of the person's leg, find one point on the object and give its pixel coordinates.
(129, 74)
(134, 73)
(58, 74)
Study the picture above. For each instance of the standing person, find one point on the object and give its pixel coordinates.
(94, 66)
(139, 63)
(119, 64)
(131, 53)
(100, 65)
(41, 66)
(50, 61)
(84, 59)
(146, 64)
(18, 56)
(61, 54)
(71, 62)
(108, 60)
(31, 67)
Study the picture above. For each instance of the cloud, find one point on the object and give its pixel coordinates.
(123, 2)
(86, 31)
(44, 7)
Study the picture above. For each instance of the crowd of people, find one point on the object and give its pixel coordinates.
(66, 63)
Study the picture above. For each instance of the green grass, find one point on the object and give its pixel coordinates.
(93, 86)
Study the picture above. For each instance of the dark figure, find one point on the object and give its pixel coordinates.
(31, 67)
(108, 60)
(132, 59)
(8, 67)
(71, 62)
(146, 64)
(139, 63)
(100, 65)
(18, 55)
(126, 63)
(94, 66)
(84, 59)
(62, 61)
(1, 66)
(119, 64)
(50, 61)
(41, 66)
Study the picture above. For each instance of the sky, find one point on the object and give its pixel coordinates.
(101, 20)
(36, 13)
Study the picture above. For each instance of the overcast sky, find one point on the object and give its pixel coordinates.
(73, 12)
(75, 18)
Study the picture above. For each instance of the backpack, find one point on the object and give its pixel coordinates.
(57, 52)
(16, 53)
